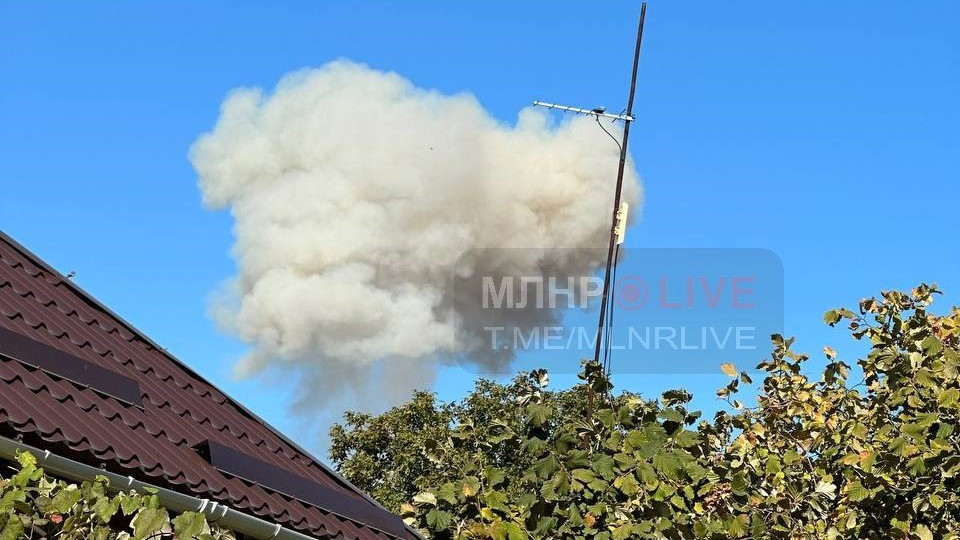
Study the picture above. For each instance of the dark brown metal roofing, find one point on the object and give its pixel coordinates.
(154, 439)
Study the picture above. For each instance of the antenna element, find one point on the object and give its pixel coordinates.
(598, 112)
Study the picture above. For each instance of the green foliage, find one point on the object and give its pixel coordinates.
(396, 455)
(820, 458)
(36, 506)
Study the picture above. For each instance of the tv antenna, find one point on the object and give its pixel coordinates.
(599, 112)
(619, 219)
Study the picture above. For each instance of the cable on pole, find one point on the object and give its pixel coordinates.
(614, 139)
(619, 190)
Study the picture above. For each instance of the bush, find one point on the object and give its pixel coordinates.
(822, 458)
(37, 506)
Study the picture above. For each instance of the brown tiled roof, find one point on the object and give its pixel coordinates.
(64, 401)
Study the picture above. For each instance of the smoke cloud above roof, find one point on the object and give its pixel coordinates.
(354, 193)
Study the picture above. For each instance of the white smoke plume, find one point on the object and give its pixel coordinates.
(354, 193)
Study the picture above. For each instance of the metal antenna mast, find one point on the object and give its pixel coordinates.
(615, 230)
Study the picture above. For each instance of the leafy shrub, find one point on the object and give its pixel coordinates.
(34, 505)
(821, 458)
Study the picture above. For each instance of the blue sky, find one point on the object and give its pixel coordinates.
(825, 132)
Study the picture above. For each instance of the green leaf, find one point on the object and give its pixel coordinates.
(496, 499)
(544, 527)
(544, 468)
(439, 520)
(538, 413)
(129, 504)
(899, 446)
(738, 526)
(605, 416)
(826, 488)
(917, 466)
(515, 532)
(148, 521)
(26, 460)
(447, 492)
(603, 465)
(622, 532)
(667, 464)
(931, 346)
(856, 492)
(687, 438)
(923, 532)
(100, 533)
(425, 497)
(583, 475)
(105, 507)
(696, 472)
(577, 459)
(188, 525)
(634, 439)
(648, 476)
(12, 529)
(65, 499)
(534, 446)
(672, 415)
(494, 477)
(948, 397)
(627, 485)
(560, 482)
(738, 484)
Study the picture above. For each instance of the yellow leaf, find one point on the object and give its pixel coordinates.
(26, 459)
(831, 354)
(471, 486)
(729, 369)
(850, 459)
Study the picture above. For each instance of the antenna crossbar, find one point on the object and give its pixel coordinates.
(598, 112)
